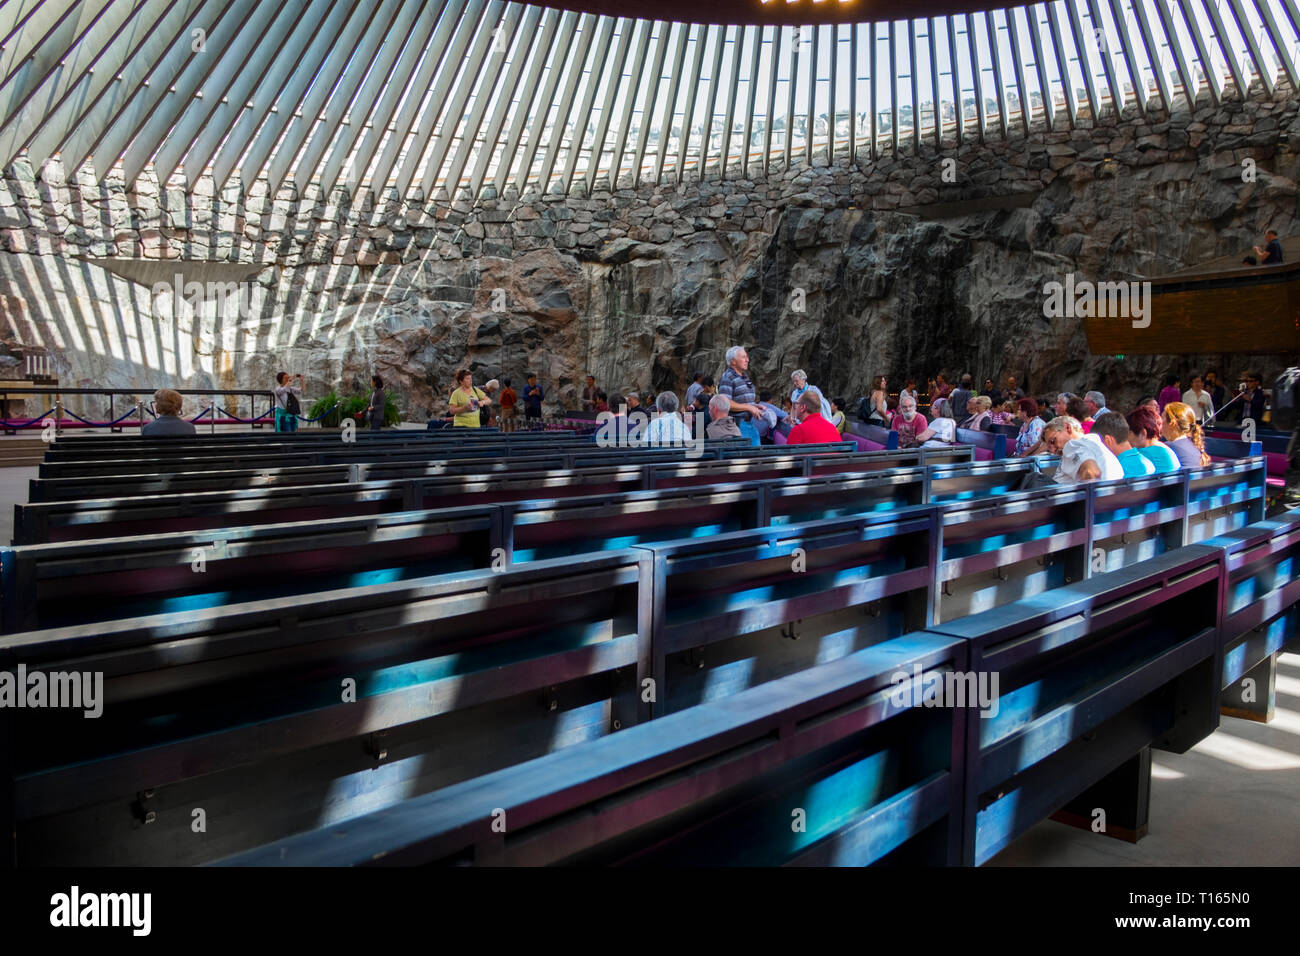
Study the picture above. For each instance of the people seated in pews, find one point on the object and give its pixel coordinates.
(908, 422)
(1096, 403)
(813, 427)
(772, 416)
(1112, 431)
(1056, 434)
(288, 401)
(1031, 427)
(667, 428)
(466, 400)
(977, 413)
(1145, 432)
(721, 424)
(1184, 436)
(1081, 461)
(1077, 408)
(1060, 407)
(169, 424)
(1004, 414)
(942, 429)
(838, 418)
(602, 401)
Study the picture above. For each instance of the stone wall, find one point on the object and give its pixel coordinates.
(640, 286)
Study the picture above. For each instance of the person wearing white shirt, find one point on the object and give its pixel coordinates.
(1077, 455)
(667, 427)
(1199, 400)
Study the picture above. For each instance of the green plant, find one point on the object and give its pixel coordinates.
(353, 406)
(323, 405)
(392, 412)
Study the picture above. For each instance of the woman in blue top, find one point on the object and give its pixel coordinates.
(1145, 427)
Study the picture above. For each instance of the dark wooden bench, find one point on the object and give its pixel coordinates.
(723, 783)
(48, 585)
(842, 763)
(249, 713)
(728, 611)
(1088, 682)
(1261, 611)
(430, 487)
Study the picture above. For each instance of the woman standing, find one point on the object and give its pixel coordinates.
(288, 401)
(1183, 435)
(375, 411)
(878, 403)
(466, 400)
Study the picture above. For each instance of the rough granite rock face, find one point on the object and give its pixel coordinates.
(843, 270)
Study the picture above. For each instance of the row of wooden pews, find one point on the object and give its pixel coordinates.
(291, 678)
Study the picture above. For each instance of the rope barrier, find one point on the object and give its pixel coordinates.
(121, 418)
(245, 421)
(318, 417)
(35, 421)
(205, 411)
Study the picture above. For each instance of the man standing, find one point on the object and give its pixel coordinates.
(812, 427)
(533, 396)
(508, 401)
(1013, 391)
(693, 390)
(1270, 255)
(589, 395)
(961, 395)
(1253, 399)
(740, 392)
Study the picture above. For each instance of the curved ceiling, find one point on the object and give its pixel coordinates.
(416, 94)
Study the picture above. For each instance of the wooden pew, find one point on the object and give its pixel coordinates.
(1261, 611)
(736, 602)
(843, 763)
(871, 437)
(1058, 535)
(48, 585)
(724, 783)
(64, 520)
(1088, 682)
(989, 446)
(281, 715)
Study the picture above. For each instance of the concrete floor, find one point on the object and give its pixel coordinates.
(1234, 799)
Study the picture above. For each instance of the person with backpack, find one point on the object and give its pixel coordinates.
(466, 401)
(288, 405)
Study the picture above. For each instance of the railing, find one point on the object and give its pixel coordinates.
(118, 423)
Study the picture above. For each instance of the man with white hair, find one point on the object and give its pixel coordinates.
(668, 427)
(740, 392)
(1087, 459)
(721, 424)
(1096, 403)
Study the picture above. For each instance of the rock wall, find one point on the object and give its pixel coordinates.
(841, 269)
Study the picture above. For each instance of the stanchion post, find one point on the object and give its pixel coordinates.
(139, 410)
(58, 415)
(213, 429)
